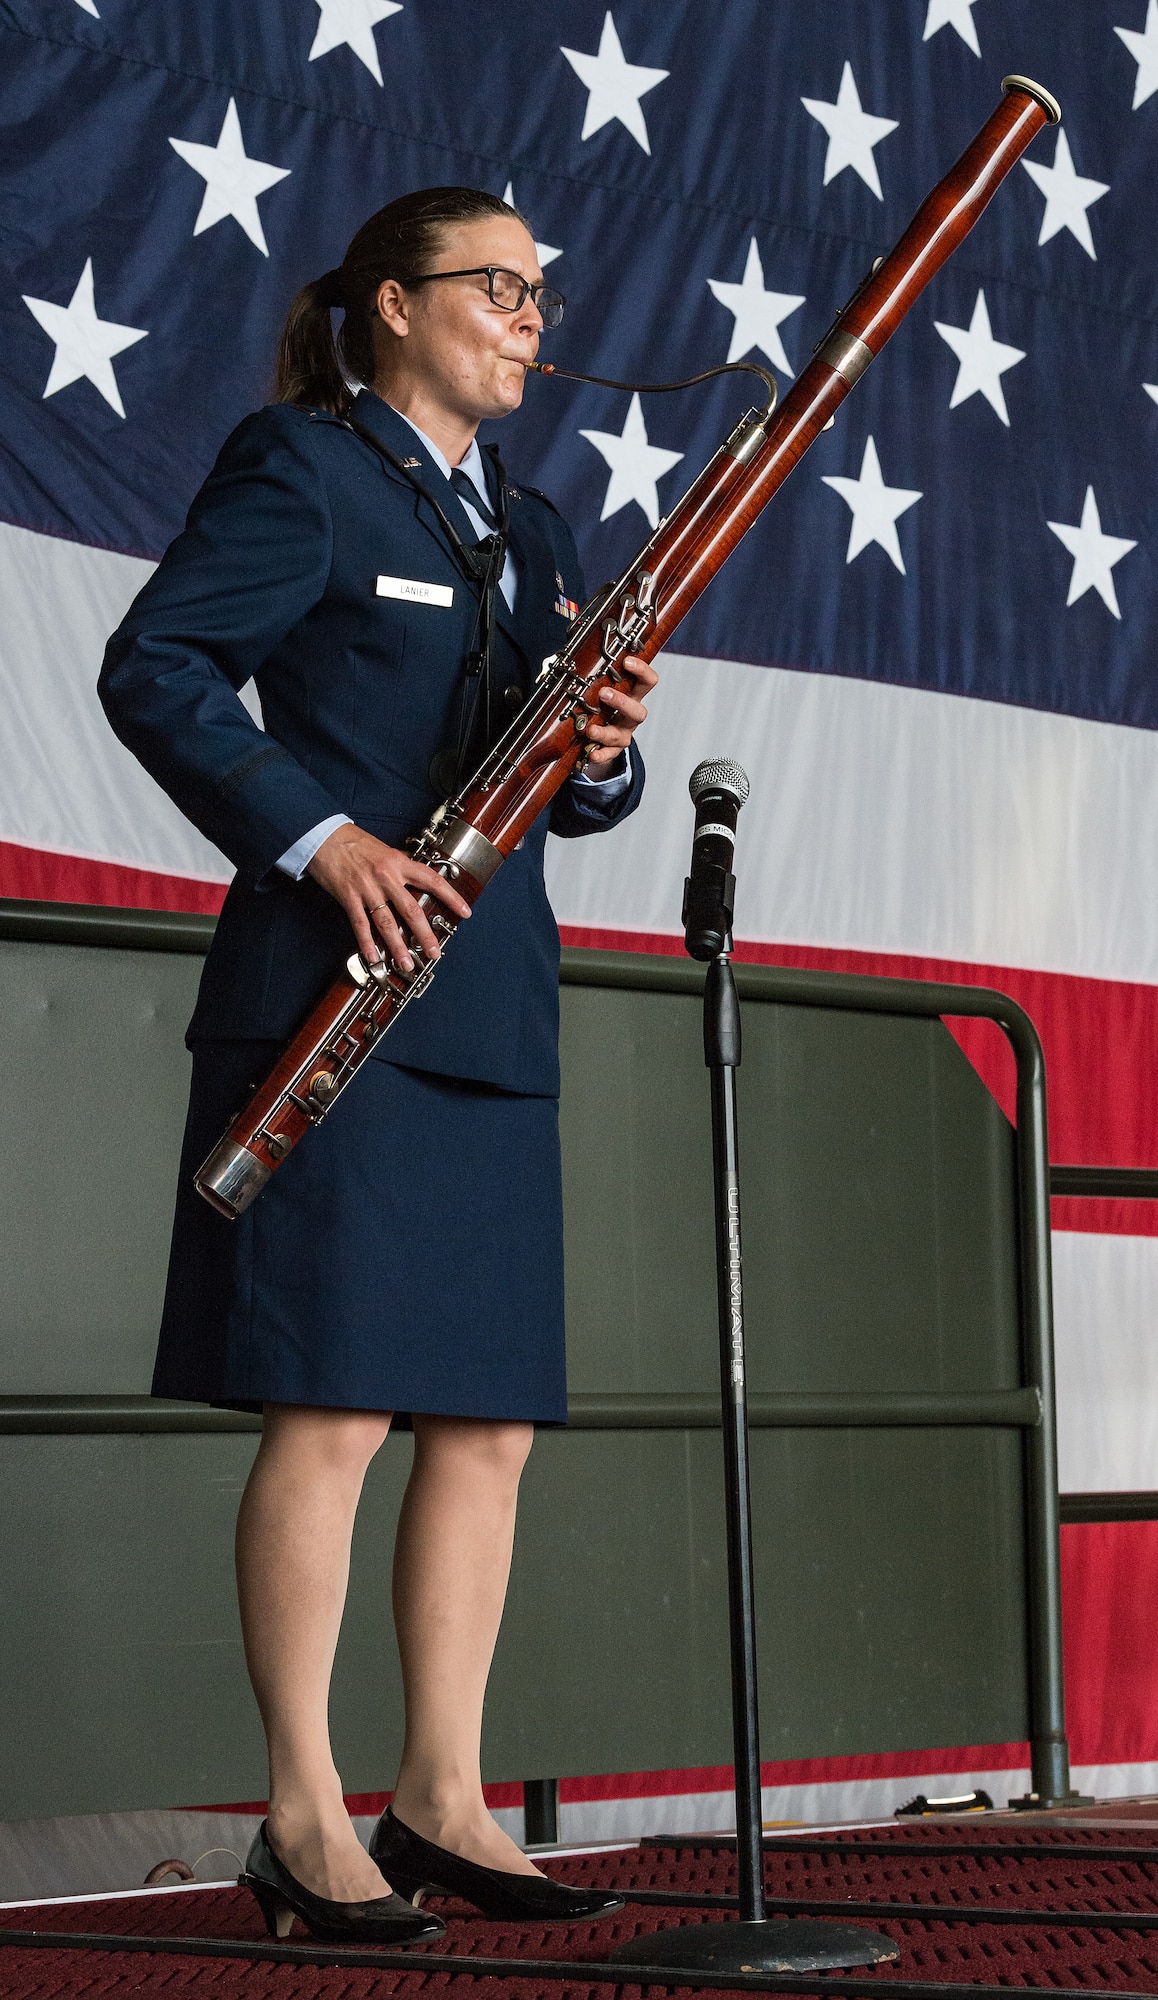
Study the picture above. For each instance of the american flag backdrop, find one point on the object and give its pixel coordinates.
(937, 652)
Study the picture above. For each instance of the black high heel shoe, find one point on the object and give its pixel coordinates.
(416, 1866)
(386, 1920)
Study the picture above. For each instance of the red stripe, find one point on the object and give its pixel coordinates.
(1110, 1605)
(33, 874)
(1100, 1038)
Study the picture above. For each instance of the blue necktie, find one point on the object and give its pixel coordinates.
(466, 489)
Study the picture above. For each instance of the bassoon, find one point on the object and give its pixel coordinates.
(470, 836)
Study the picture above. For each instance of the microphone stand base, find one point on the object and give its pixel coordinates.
(782, 1945)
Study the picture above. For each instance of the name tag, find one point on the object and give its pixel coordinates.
(413, 592)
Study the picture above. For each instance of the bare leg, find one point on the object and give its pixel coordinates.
(293, 1561)
(452, 1559)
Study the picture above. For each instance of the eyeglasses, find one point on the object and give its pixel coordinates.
(507, 290)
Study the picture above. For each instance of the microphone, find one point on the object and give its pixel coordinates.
(718, 789)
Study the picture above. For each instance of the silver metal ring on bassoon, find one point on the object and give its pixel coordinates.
(463, 846)
(846, 353)
(231, 1177)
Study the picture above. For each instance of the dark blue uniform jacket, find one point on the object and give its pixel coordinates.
(274, 578)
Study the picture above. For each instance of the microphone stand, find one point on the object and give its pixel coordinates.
(722, 1056)
(755, 1943)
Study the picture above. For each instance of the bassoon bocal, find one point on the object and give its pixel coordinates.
(470, 836)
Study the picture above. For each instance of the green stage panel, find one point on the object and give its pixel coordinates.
(888, 1569)
(120, 1647)
(888, 1583)
(877, 1193)
(879, 1241)
(97, 1077)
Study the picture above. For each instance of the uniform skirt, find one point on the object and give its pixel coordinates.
(408, 1255)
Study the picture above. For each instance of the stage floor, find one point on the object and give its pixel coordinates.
(1067, 1904)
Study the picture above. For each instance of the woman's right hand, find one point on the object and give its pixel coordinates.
(378, 887)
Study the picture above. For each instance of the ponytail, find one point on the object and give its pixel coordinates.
(398, 242)
(308, 369)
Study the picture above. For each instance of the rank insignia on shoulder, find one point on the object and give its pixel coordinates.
(565, 606)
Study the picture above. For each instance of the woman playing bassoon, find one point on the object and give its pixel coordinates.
(408, 1260)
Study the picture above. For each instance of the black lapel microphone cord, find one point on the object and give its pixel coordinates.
(481, 562)
(771, 391)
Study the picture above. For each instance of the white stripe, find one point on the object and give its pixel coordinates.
(817, 1804)
(891, 819)
(881, 818)
(828, 1803)
(1106, 1310)
(68, 785)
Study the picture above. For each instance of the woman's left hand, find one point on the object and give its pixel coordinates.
(623, 711)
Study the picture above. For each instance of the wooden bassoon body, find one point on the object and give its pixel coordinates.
(470, 836)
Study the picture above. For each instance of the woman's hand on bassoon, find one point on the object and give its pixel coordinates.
(624, 712)
(378, 887)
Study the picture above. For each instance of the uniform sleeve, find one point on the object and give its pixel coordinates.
(253, 558)
(574, 812)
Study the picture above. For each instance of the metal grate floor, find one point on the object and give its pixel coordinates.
(987, 1918)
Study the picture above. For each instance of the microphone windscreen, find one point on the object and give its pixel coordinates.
(719, 774)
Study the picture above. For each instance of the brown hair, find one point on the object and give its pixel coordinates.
(398, 242)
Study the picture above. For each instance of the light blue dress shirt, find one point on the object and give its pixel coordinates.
(297, 858)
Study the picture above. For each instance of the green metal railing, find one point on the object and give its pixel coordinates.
(1030, 1409)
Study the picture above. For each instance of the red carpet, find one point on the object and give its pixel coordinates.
(964, 1946)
